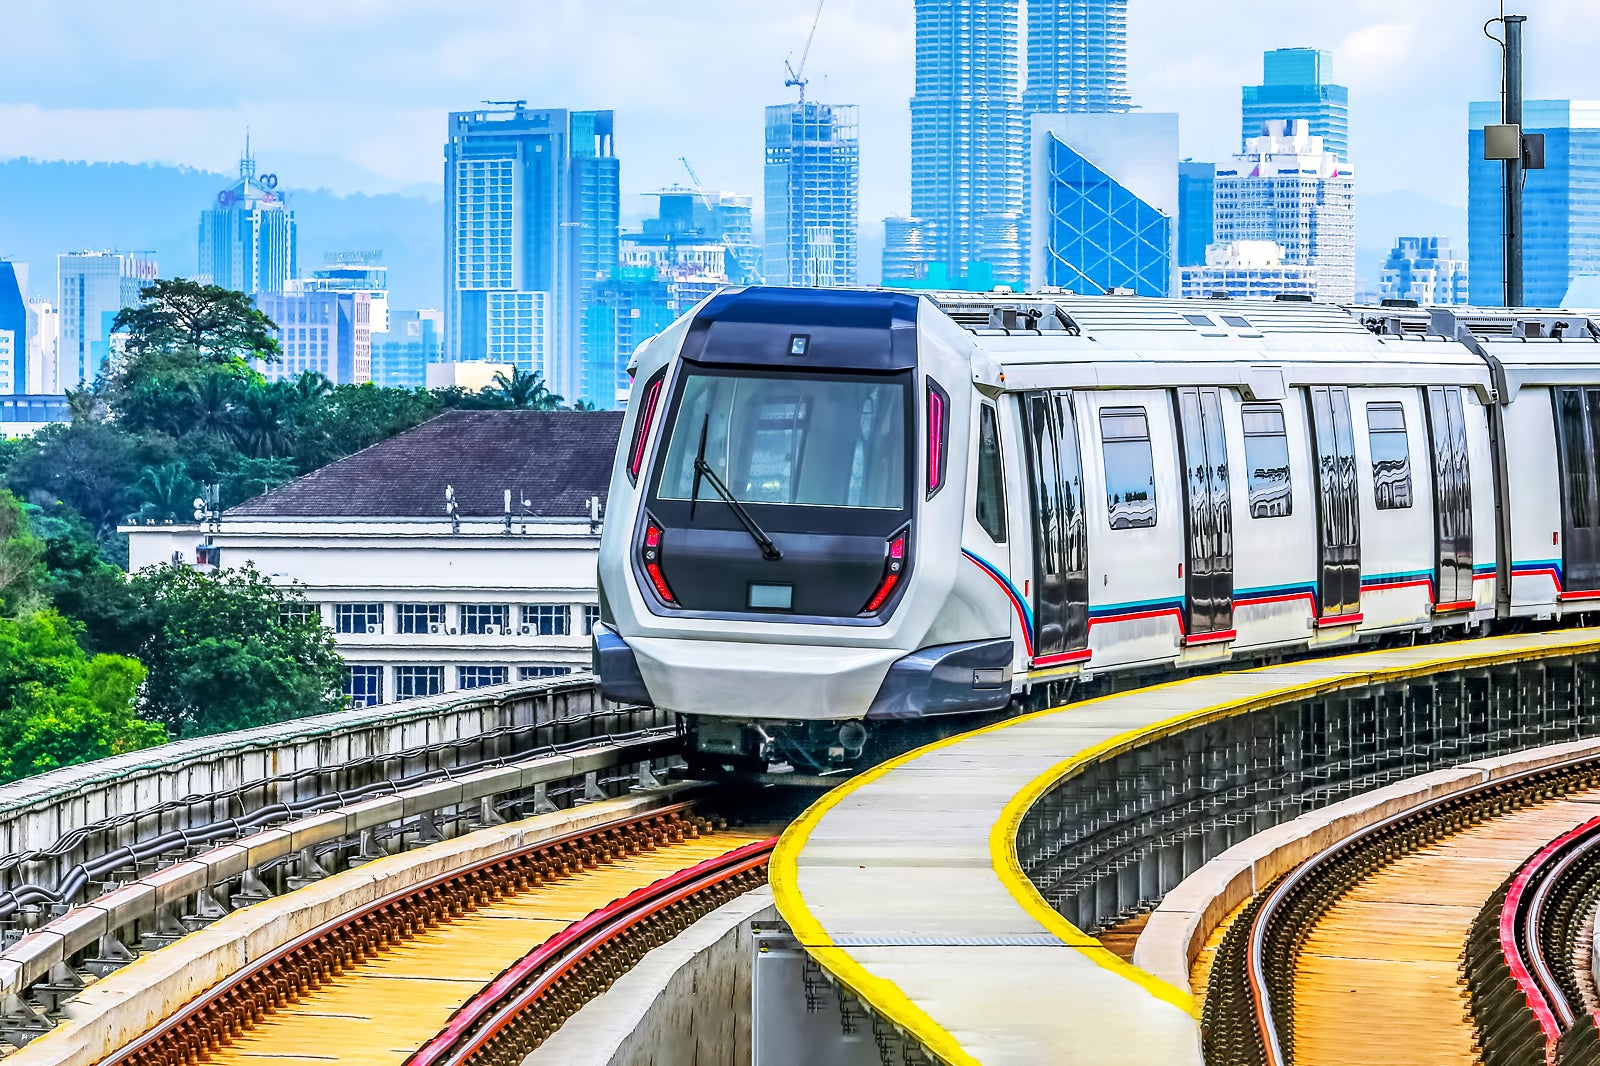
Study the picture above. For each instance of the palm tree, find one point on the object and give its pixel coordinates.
(212, 406)
(84, 405)
(260, 424)
(523, 390)
(164, 493)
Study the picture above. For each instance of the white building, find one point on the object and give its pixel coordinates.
(1422, 269)
(91, 287)
(44, 327)
(408, 551)
(1247, 270)
(328, 333)
(1287, 188)
(352, 272)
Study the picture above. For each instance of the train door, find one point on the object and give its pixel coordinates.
(1452, 498)
(1338, 504)
(1578, 437)
(1060, 531)
(1208, 570)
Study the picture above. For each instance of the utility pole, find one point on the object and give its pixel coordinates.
(1511, 115)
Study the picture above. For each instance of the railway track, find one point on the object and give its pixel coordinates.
(1357, 956)
(477, 965)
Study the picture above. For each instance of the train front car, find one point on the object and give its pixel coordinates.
(780, 557)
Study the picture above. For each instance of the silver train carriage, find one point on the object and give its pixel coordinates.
(834, 513)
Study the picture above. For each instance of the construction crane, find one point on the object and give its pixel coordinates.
(795, 80)
(694, 180)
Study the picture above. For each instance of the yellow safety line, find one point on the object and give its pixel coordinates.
(887, 997)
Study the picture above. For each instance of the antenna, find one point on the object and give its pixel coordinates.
(795, 80)
(520, 105)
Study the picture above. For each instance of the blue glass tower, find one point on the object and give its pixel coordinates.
(1197, 190)
(1295, 85)
(1077, 56)
(13, 332)
(1560, 204)
(812, 183)
(1105, 201)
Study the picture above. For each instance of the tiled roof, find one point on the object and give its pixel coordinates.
(555, 459)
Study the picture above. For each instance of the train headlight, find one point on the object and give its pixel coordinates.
(894, 568)
(653, 537)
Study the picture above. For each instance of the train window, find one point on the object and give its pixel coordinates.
(991, 476)
(1266, 453)
(1391, 455)
(1130, 468)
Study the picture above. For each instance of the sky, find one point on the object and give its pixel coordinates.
(351, 94)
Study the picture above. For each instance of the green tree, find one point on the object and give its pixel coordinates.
(524, 390)
(165, 493)
(22, 567)
(90, 466)
(352, 417)
(84, 587)
(226, 651)
(59, 706)
(183, 323)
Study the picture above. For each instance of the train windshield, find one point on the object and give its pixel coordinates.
(814, 441)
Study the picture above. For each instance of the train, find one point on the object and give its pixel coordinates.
(838, 517)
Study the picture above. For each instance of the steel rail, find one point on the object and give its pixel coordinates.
(224, 1011)
(488, 1017)
(1272, 1020)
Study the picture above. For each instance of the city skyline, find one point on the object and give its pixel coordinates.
(110, 91)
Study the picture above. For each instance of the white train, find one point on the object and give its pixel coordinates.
(834, 511)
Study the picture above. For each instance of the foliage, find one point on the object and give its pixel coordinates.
(59, 706)
(523, 390)
(228, 651)
(22, 569)
(90, 466)
(83, 585)
(182, 323)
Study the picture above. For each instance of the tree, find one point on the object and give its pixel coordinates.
(22, 568)
(165, 493)
(59, 706)
(353, 417)
(185, 322)
(228, 651)
(524, 390)
(90, 592)
(90, 466)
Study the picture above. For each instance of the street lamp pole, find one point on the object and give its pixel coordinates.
(1511, 115)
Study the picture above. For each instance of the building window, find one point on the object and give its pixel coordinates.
(1391, 455)
(485, 617)
(419, 617)
(1130, 468)
(412, 681)
(547, 619)
(358, 617)
(300, 612)
(479, 676)
(591, 615)
(531, 673)
(364, 685)
(1266, 454)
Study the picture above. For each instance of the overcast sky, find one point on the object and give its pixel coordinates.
(351, 94)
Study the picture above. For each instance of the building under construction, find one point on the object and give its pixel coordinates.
(813, 177)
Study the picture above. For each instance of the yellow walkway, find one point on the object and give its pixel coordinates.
(378, 1013)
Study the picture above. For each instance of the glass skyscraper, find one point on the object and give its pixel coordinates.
(1560, 204)
(248, 240)
(1077, 56)
(967, 136)
(812, 186)
(1197, 190)
(13, 331)
(1294, 85)
(91, 287)
(532, 201)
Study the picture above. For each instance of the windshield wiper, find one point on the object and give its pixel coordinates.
(702, 469)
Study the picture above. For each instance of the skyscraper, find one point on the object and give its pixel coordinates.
(13, 331)
(247, 238)
(1422, 269)
(1560, 204)
(327, 333)
(1294, 85)
(1077, 56)
(967, 136)
(1197, 189)
(1286, 187)
(1105, 201)
(813, 179)
(400, 357)
(531, 219)
(91, 287)
(905, 250)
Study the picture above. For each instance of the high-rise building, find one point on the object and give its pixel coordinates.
(698, 216)
(812, 201)
(91, 288)
(1422, 269)
(967, 136)
(1560, 204)
(327, 333)
(1286, 187)
(1105, 202)
(1295, 85)
(44, 328)
(1077, 56)
(13, 330)
(400, 356)
(247, 238)
(1246, 270)
(353, 272)
(532, 200)
(1197, 190)
(906, 254)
